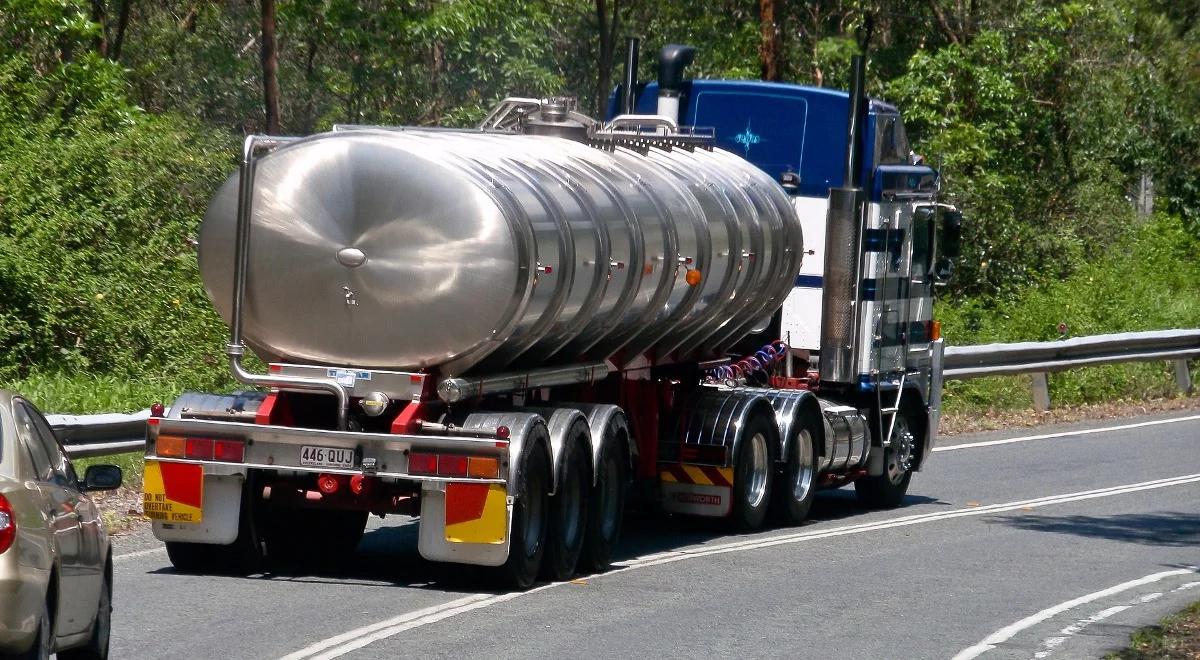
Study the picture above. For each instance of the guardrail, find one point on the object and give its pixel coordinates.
(1043, 357)
(114, 433)
(85, 436)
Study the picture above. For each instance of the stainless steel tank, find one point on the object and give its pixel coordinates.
(467, 251)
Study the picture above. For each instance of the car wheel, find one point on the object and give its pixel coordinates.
(97, 646)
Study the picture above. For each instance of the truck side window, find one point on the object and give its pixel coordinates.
(891, 143)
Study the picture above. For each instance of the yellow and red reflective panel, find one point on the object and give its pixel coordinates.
(476, 513)
(173, 492)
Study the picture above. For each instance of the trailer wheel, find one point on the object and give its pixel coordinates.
(887, 490)
(569, 510)
(752, 472)
(607, 507)
(529, 519)
(794, 495)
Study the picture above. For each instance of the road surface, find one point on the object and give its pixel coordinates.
(1047, 543)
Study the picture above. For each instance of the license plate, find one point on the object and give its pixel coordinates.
(326, 457)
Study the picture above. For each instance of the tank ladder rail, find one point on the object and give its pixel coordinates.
(252, 148)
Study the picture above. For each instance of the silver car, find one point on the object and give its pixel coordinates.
(55, 558)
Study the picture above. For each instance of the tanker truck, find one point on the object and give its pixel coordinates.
(506, 332)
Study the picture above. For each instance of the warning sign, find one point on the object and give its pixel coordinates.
(173, 492)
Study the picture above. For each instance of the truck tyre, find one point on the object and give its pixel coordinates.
(887, 490)
(241, 557)
(753, 468)
(569, 510)
(530, 518)
(794, 494)
(97, 645)
(607, 507)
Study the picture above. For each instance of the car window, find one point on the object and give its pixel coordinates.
(64, 474)
(27, 436)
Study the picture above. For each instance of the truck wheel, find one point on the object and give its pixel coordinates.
(887, 491)
(530, 519)
(569, 512)
(607, 507)
(241, 557)
(794, 495)
(752, 471)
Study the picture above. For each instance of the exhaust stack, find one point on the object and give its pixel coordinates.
(840, 302)
(629, 90)
(673, 59)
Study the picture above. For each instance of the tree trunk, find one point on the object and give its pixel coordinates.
(99, 17)
(270, 68)
(114, 53)
(769, 47)
(608, 26)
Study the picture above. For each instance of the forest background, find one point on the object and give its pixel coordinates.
(1067, 131)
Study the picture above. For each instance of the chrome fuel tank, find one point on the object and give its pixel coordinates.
(468, 251)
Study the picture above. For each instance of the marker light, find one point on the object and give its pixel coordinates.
(450, 465)
(199, 448)
(230, 451)
(171, 446)
(502, 432)
(157, 409)
(482, 467)
(693, 277)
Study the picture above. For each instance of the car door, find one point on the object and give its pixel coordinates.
(60, 502)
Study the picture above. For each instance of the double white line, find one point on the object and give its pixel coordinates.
(360, 637)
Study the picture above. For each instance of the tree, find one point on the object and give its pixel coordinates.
(769, 49)
(270, 68)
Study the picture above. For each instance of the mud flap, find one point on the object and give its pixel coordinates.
(465, 523)
(696, 499)
(175, 496)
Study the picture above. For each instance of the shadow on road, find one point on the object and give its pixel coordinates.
(1168, 529)
(388, 552)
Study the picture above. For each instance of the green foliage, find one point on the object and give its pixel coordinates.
(1150, 280)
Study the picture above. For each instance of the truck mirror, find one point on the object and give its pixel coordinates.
(942, 270)
(951, 233)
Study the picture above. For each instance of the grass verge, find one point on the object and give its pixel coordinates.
(1175, 637)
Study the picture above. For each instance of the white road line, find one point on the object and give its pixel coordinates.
(360, 637)
(1065, 434)
(140, 553)
(1006, 633)
(1051, 643)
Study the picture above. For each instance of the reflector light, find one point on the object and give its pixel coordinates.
(935, 330)
(502, 432)
(169, 445)
(422, 463)
(199, 448)
(482, 467)
(8, 525)
(450, 465)
(230, 451)
(329, 483)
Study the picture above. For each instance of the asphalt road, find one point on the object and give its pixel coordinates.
(1010, 546)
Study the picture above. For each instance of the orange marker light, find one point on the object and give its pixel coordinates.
(482, 467)
(169, 445)
(693, 277)
(935, 330)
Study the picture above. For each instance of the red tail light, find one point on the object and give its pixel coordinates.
(331, 483)
(230, 451)
(422, 463)
(450, 465)
(8, 525)
(199, 448)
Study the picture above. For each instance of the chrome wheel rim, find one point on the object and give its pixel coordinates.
(804, 471)
(899, 460)
(757, 469)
